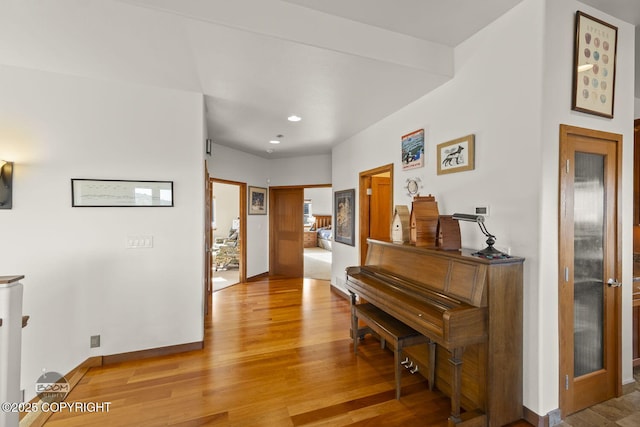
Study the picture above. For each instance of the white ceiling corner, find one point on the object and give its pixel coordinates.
(341, 65)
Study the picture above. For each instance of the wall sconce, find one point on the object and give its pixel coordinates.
(489, 251)
(6, 184)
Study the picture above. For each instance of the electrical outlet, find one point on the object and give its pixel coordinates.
(95, 341)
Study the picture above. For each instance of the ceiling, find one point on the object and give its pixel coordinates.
(340, 65)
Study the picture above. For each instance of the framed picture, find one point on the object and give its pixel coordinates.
(413, 150)
(344, 213)
(594, 66)
(457, 155)
(257, 201)
(121, 193)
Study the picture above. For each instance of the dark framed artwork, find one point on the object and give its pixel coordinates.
(594, 66)
(121, 193)
(257, 201)
(344, 213)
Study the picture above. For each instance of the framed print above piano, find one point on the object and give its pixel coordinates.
(344, 212)
(594, 66)
(457, 155)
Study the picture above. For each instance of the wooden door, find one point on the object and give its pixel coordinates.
(589, 269)
(368, 203)
(286, 232)
(380, 208)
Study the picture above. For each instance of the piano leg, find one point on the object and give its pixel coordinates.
(354, 323)
(456, 383)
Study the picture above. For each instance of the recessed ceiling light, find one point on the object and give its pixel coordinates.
(294, 118)
(274, 141)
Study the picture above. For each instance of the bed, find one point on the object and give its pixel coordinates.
(324, 231)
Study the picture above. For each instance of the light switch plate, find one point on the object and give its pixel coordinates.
(137, 242)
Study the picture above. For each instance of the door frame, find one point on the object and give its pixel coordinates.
(274, 232)
(364, 205)
(565, 359)
(242, 233)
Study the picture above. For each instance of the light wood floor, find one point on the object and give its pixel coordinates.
(278, 353)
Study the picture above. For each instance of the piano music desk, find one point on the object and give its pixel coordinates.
(390, 330)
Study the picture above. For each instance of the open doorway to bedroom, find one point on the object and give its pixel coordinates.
(227, 231)
(318, 233)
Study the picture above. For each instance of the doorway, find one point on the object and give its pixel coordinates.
(228, 227)
(589, 267)
(376, 206)
(318, 232)
(286, 231)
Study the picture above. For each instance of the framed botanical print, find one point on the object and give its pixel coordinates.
(594, 66)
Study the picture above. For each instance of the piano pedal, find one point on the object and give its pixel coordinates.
(410, 365)
(405, 362)
(414, 370)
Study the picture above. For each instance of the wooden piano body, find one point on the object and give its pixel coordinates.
(470, 306)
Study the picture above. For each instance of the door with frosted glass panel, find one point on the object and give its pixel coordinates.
(589, 268)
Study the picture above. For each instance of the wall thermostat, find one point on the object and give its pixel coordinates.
(482, 210)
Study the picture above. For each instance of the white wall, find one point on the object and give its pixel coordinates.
(508, 90)
(233, 165)
(498, 99)
(300, 170)
(637, 108)
(321, 200)
(557, 110)
(80, 279)
(484, 98)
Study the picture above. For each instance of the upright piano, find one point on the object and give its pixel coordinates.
(471, 307)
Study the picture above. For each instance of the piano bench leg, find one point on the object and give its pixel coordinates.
(397, 358)
(358, 336)
(432, 364)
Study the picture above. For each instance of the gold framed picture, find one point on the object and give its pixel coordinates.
(457, 155)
